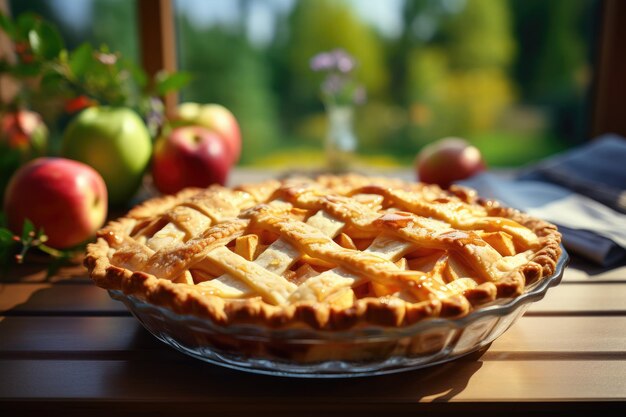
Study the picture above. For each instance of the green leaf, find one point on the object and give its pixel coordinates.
(80, 59)
(7, 25)
(27, 230)
(138, 74)
(5, 236)
(171, 82)
(7, 246)
(52, 42)
(26, 70)
(25, 23)
(53, 83)
(45, 41)
(5, 66)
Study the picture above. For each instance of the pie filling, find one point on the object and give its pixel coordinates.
(332, 252)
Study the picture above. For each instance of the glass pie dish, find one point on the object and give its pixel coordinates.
(311, 353)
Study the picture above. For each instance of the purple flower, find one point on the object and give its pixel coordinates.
(322, 62)
(343, 61)
(335, 60)
(338, 87)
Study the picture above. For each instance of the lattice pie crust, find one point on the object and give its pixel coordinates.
(330, 253)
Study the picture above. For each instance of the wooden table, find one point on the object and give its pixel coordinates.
(66, 346)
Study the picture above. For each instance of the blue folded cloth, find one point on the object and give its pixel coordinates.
(597, 170)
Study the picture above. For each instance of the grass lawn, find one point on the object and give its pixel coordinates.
(500, 149)
(515, 149)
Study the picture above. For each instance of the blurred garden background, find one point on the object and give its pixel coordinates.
(511, 76)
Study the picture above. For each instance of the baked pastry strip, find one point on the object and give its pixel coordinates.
(274, 261)
(463, 216)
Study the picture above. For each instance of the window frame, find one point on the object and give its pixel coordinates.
(609, 87)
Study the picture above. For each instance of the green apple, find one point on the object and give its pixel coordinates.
(116, 143)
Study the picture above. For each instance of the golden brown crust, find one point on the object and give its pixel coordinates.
(159, 283)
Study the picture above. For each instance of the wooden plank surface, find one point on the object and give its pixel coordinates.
(541, 358)
(57, 299)
(20, 336)
(572, 335)
(468, 379)
(24, 334)
(581, 299)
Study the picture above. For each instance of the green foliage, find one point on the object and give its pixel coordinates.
(35, 42)
(479, 36)
(97, 73)
(458, 83)
(227, 70)
(552, 51)
(554, 68)
(166, 82)
(14, 248)
(114, 24)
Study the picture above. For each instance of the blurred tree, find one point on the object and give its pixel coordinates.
(115, 24)
(458, 60)
(552, 49)
(416, 16)
(479, 35)
(320, 25)
(555, 59)
(227, 70)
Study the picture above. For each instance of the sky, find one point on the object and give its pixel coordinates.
(384, 15)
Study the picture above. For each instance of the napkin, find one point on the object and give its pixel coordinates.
(597, 170)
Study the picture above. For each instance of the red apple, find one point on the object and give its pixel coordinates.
(24, 131)
(448, 160)
(213, 117)
(66, 198)
(23, 136)
(190, 156)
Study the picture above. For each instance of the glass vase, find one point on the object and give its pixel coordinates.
(341, 142)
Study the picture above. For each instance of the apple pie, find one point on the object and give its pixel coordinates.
(330, 253)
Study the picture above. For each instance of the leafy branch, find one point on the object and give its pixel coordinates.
(87, 74)
(14, 248)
